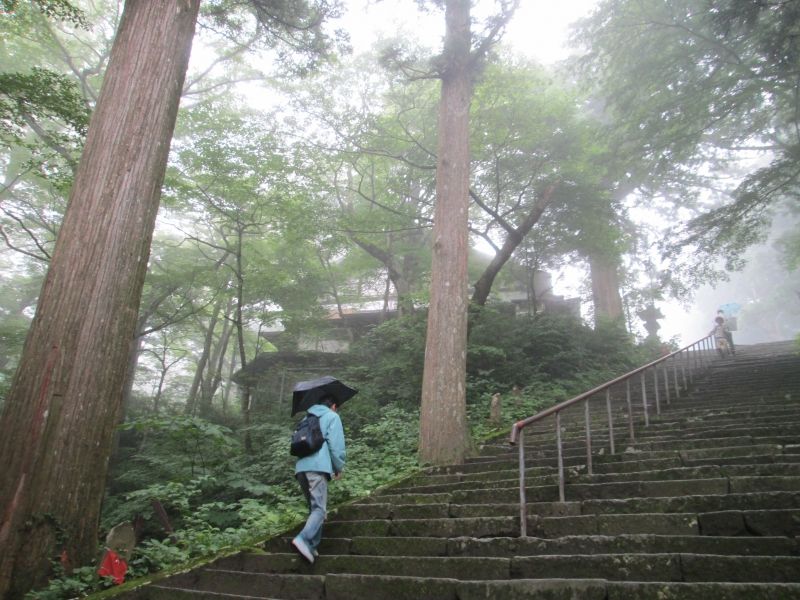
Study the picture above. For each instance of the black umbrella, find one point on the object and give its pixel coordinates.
(307, 393)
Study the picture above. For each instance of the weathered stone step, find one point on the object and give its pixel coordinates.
(623, 544)
(545, 454)
(773, 477)
(621, 567)
(442, 528)
(388, 587)
(629, 454)
(694, 503)
(238, 583)
(600, 437)
(777, 522)
(632, 489)
(579, 450)
(604, 463)
(660, 567)
(695, 591)
(533, 546)
(347, 587)
(665, 474)
(456, 567)
(159, 592)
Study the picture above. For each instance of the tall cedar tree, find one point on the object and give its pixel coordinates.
(444, 437)
(57, 426)
(443, 417)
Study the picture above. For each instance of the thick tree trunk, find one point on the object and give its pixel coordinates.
(57, 426)
(605, 288)
(444, 436)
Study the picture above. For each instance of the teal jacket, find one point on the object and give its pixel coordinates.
(331, 457)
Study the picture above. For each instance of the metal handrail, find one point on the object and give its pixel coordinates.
(517, 430)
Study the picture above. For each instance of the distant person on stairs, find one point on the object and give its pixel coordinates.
(313, 473)
(728, 327)
(720, 339)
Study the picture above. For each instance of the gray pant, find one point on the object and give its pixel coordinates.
(315, 489)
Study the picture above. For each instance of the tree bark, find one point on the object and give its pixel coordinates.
(444, 435)
(605, 288)
(57, 426)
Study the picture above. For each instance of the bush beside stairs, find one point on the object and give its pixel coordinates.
(704, 504)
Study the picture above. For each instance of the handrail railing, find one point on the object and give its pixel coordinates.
(701, 349)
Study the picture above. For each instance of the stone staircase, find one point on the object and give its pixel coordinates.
(705, 504)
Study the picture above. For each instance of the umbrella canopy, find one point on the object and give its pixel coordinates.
(307, 393)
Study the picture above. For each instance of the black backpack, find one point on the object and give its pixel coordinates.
(307, 437)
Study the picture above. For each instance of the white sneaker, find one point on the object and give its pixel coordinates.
(301, 546)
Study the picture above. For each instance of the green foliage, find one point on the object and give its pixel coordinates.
(179, 447)
(382, 451)
(544, 347)
(391, 358)
(53, 9)
(40, 94)
(295, 31)
(81, 582)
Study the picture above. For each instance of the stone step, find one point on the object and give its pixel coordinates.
(509, 490)
(621, 544)
(614, 490)
(238, 583)
(533, 546)
(725, 447)
(159, 592)
(624, 462)
(389, 587)
(621, 567)
(660, 567)
(785, 426)
(600, 437)
(615, 462)
(664, 474)
(775, 522)
(694, 503)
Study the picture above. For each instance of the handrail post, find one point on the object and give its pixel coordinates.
(523, 502)
(630, 410)
(655, 387)
(666, 383)
(588, 437)
(610, 421)
(644, 400)
(675, 377)
(561, 495)
(683, 373)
